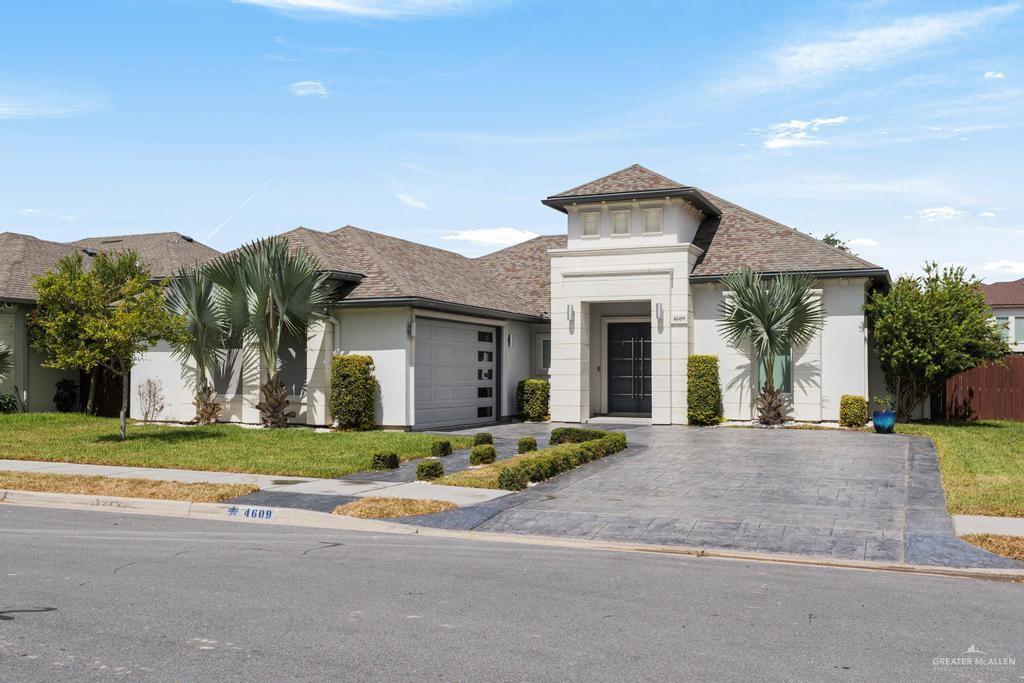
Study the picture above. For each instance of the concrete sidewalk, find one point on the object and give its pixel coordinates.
(298, 492)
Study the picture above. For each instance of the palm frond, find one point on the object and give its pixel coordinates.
(192, 296)
(6, 361)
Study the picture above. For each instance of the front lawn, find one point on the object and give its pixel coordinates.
(71, 437)
(982, 465)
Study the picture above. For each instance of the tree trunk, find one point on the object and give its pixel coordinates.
(90, 406)
(126, 376)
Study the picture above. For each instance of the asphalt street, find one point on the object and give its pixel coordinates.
(109, 596)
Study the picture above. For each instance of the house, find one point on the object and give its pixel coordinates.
(610, 311)
(25, 257)
(1006, 299)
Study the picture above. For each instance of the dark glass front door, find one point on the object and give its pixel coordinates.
(629, 368)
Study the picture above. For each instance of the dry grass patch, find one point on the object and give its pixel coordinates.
(386, 508)
(125, 488)
(485, 477)
(1007, 546)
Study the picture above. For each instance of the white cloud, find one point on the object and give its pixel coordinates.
(29, 212)
(939, 213)
(375, 9)
(411, 201)
(797, 133)
(270, 57)
(502, 237)
(308, 88)
(1007, 267)
(803, 64)
(862, 242)
(69, 219)
(48, 214)
(44, 107)
(995, 74)
(987, 214)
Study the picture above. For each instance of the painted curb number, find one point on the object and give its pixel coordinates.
(251, 513)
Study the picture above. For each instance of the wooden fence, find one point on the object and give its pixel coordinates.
(990, 392)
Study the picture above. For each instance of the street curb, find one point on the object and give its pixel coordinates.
(254, 514)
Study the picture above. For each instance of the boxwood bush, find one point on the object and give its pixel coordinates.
(527, 444)
(553, 461)
(703, 391)
(440, 449)
(853, 411)
(428, 470)
(513, 478)
(484, 454)
(575, 435)
(482, 438)
(353, 392)
(385, 461)
(532, 397)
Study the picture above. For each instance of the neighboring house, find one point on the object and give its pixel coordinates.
(1007, 302)
(25, 257)
(610, 312)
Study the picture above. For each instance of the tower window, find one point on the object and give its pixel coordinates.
(590, 224)
(652, 220)
(620, 222)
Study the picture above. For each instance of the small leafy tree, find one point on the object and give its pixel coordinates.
(770, 317)
(192, 299)
(833, 239)
(928, 329)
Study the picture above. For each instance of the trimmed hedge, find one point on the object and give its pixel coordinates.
(557, 459)
(482, 438)
(575, 435)
(484, 454)
(703, 391)
(428, 470)
(385, 461)
(527, 444)
(353, 392)
(853, 411)
(532, 398)
(440, 449)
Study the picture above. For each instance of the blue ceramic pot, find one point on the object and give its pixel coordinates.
(884, 421)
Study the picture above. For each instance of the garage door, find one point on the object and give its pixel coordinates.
(456, 374)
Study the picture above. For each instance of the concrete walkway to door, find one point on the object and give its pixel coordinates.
(836, 494)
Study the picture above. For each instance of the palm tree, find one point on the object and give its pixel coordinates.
(264, 290)
(191, 296)
(770, 317)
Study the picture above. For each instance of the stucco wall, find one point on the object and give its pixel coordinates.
(382, 333)
(679, 224)
(36, 384)
(833, 364)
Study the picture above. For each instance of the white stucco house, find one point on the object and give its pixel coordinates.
(609, 311)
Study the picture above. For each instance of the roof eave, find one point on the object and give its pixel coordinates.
(878, 274)
(690, 194)
(436, 305)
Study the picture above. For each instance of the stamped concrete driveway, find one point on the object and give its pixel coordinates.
(837, 494)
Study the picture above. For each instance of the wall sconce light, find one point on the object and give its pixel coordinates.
(570, 313)
(510, 340)
(659, 312)
(412, 329)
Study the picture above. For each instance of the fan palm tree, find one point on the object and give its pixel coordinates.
(266, 289)
(192, 297)
(770, 317)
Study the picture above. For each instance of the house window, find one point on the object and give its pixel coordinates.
(620, 222)
(652, 221)
(591, 224)
(782, 376)
(1003, 323)
(542, 355)
(1018, 329)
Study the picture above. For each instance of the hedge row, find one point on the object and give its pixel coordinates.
(575, 435)
(353, 392)
(554, 460)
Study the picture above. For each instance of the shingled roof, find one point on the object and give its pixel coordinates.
(25, 257)
(1005, 293)
(631, 179)
(162, 252)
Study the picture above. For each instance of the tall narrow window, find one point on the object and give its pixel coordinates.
(591, 224)
(1003, 323)
(1018, 328)
(782, 376)
(620, 222)
(652, 221)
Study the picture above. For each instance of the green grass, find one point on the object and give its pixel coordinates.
(224, 448)
(982, 465)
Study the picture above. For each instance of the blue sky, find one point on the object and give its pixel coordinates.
(898, 125)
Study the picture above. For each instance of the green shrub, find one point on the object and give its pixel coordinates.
(484, 454)
(482, 438)
(703, 391)
(575, 435)
(428, 470)
(527, 444)
(532, 397)
(9, 403)
(353, 392)
(853, 411)
(385, 461)
(567, 456)
(514, 478)
(440, 449)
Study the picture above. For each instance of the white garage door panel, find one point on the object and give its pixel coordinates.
(455, 373)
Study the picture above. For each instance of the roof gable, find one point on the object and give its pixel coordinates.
(1005, 293)
(25, 258)
(164, 253)
(633, 178)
